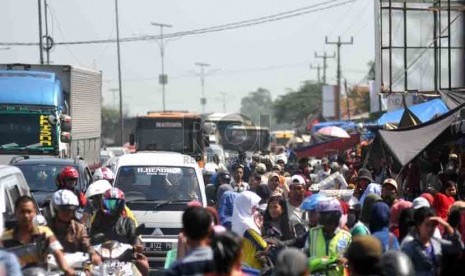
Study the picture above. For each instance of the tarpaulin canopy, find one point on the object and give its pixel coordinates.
(424, 111)
(407, 143)
(453, 98)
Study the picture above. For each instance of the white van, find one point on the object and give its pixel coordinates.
(12, 186)
(158, 187)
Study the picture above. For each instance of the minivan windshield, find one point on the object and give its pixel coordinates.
(158, 183)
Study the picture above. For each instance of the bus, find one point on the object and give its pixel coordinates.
(172, 131)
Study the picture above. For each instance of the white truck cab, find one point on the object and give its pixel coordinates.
(157, 187)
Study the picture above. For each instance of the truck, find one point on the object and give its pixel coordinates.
(52, 110)
(171, 131)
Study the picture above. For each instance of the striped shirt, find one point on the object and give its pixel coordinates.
(198, 262)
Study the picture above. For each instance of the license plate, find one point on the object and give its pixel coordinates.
(157, 246)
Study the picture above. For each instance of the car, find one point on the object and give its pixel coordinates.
(158, 187)
(215, 150)
(12, 186)
(41, 173)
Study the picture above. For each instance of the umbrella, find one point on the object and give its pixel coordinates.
(333, 131)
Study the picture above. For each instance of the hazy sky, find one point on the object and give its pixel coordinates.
(274, 55)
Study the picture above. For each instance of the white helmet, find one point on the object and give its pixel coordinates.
(65, 200)
(103, 173)
(98, 188)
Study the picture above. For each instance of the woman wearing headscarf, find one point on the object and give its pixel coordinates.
(379, 223)
(246, 222)
(361, 227)
(372, 188)
(396, 209)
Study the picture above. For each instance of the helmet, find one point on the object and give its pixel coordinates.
(65, 200)
(103, 173)
(311, 202)
(97, 188)
(68, 172)
(113, 201)
(329, 205)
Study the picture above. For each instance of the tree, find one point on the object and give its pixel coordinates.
(111, 125)
(257, 103)
(294, 107)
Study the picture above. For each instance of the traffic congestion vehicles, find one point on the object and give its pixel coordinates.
(50, 110)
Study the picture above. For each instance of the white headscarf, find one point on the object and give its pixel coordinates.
(242, 218)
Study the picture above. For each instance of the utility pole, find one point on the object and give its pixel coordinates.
(203, 100)
(318, 68)
(325, 65)
(41, 54)
(223, 96)
(339, 43)
(48, 47)
(347, 99)
(162, 79)
(119, 74)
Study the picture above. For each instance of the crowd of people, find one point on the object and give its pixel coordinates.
(281, 225)
(266, 217)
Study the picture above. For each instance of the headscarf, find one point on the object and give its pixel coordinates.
(242, 218)
(366, 209)
(373, 188)
(396, 209)
(380, 214)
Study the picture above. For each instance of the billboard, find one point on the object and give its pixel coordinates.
(329, 93)
(420, 45)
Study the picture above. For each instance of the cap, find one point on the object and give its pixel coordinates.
(420, 202)
(281, 158)
(297, 180)
(261, 168)
(273, 174)
(453, 156)
(364, 248)
(365, 174)
(324, 160)
(390, 181)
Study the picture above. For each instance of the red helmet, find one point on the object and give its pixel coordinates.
(68, 172)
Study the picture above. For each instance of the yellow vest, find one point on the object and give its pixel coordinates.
(319, 252)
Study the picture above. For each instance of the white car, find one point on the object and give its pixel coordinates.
(158, 187)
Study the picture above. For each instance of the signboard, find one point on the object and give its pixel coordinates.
(329, 93)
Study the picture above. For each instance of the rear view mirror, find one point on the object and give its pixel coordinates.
(65, 137)
(132, 139)
(65, 122)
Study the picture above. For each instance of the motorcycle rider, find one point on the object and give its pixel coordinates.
(327, 242)
(68, 179)
(26, 232)
(71, 234)
(103, 173)
(94, 195)
(112, 221)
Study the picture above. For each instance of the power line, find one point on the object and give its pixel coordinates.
(229, 26)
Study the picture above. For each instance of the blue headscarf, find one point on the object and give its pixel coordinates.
(373, 188)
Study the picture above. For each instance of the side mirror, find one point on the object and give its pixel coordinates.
(65, 137)
(132, 139)
(140, 229)
(65, 122)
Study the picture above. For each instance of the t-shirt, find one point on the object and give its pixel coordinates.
(296, 219)
(31, 257)
(197, 262)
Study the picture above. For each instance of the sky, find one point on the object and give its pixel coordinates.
(274, 55)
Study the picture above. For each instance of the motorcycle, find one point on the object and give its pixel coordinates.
(117, 258)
